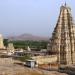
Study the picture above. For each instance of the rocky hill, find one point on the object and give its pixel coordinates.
(28, 37)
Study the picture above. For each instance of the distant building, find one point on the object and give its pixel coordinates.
(28, 48)
(63, 37)
(31, 63)
(10, 48)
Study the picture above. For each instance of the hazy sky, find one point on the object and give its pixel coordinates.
(36, 17)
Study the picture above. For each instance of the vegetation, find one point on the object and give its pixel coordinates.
(24, 44)
(5, 42)
(32, 44)
(23, 58)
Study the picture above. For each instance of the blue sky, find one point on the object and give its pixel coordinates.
(36, 17)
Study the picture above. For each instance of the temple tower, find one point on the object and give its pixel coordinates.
(1, 42)
(63, 37)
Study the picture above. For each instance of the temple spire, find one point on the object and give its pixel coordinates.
(65, 4)
(63, 37)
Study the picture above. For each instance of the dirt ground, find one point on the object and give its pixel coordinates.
(7, 67)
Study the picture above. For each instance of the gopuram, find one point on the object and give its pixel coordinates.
(63, 37)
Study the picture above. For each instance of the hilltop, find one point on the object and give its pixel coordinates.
(28, 37)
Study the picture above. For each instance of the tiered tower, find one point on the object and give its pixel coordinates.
(63, 37)
(1, 42)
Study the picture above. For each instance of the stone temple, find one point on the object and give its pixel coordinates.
(1, 42)
(63, 37)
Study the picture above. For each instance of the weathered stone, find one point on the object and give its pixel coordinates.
(63, 37)
(1, 42)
